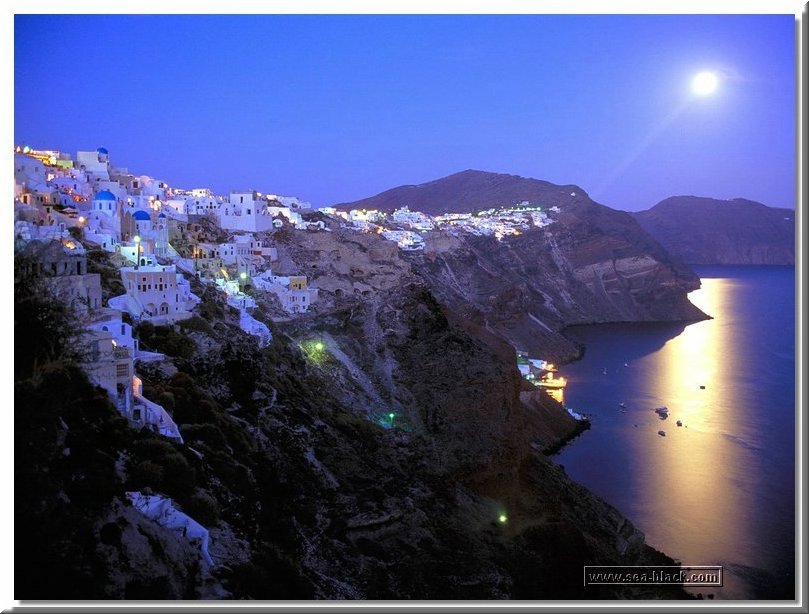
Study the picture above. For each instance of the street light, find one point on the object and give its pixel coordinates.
(136, 238)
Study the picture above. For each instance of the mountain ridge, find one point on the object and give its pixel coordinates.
(467, 190)
(703, 230)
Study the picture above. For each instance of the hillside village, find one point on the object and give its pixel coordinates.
(166, 235)
(163, 237)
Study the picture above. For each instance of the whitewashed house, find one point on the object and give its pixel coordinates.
(110, 365)
(245, 211)
(294, 293)
(155, 292)
(63, 265)
(96, 163)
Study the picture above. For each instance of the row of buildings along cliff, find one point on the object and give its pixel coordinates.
(161, 237)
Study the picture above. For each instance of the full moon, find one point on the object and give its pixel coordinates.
(704, 83)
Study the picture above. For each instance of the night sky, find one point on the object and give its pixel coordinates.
(336, 108)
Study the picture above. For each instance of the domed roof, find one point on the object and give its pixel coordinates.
(102, 150)
(141, 216)
(161, 215)
(105, 195)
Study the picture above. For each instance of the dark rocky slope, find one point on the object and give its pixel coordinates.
(710, 231)
(307, 495)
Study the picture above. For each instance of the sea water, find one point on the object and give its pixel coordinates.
(718, 490)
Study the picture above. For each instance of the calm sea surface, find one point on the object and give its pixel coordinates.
(719, 490)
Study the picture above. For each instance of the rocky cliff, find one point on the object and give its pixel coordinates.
(309, 486)
(710, 231)
(592, 264)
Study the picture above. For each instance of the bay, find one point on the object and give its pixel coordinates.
(718, 490)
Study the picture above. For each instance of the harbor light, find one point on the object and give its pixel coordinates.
(319, 346)
(243, 275)
(502, 518)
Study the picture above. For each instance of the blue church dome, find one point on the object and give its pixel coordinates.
(161, 215)
(102, 150)
(105, 195)
(141, 216)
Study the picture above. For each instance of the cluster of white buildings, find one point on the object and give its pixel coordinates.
(405, 227)
(500, 222)
(63, 204)
(144, 220)
(158, 235)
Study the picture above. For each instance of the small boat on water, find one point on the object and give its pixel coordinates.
(679, 422)
(621, 404)
(551, 382)
(661, 433)
(663, 411)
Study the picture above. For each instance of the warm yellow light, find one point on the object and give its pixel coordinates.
(137, 238)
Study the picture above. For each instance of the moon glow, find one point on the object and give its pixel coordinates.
(704, 83)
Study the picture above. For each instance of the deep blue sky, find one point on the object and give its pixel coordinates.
(335, 108)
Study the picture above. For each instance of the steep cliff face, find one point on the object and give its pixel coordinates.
(370, 450)
(309, 488)
(710, 231)
(414, 511)
(592, 264)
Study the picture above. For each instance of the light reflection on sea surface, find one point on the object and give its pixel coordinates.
(718, 489)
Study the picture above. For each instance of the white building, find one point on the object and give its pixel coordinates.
(200, 205)
(110, 365)
(155, 292)
(152, 229)
(95, 162)
(293, 291)
(244, 248)
(63, 265)
(414, 219)
(405, 239)
(110, 321)
(29, 172)
(105, 202)
(243, 211)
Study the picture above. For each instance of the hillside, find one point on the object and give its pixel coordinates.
(592, 264)
(383, 445)
(708, 231)
(469, 190)
(290, 462)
